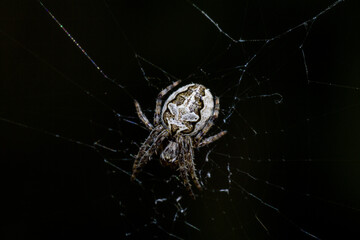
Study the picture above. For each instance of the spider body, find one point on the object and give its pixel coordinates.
(186, 116)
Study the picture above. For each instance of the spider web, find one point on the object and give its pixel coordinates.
(286, 77)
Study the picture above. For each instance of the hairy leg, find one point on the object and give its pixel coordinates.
(183, 169)
(189, 159)
(211, 139)
(159, 101)
(210, 123)
(142, 116)
(148, 148)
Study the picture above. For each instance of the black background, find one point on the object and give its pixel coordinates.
(53, 188)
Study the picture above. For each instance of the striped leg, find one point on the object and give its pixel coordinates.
(148, 148)
(159, 101)
(189, 159)
(211, 139)
(210, 123)
(142, 116)
(183, 168)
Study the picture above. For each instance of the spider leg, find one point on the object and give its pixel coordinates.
(148, 148)
(183, 170)
(211, 139)
(142, 116)
(210, 123)
(159, 101)
(146, 145)
(189, 159)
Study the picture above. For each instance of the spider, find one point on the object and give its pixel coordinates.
(180, 125)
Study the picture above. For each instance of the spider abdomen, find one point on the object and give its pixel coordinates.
(188, 109)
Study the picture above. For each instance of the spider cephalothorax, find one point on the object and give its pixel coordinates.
(186, 117)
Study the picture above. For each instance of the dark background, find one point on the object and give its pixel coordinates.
(308, 144)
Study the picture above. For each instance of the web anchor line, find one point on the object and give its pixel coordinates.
(267, 40)
(79, 46)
